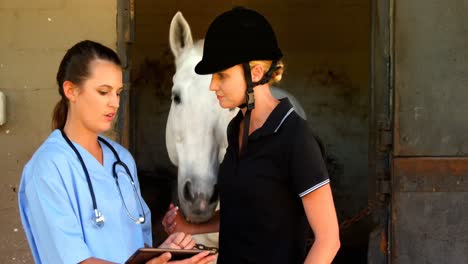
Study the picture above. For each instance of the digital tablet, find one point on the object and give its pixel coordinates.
(142, 255)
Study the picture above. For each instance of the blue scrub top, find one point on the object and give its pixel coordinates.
(57, 211)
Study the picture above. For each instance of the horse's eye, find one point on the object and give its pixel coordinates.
(176, 98)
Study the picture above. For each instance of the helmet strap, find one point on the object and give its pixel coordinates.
(249, 96)
(249, 103)
(267, 77)
(249, 92)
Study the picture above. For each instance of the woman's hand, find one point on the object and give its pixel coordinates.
(201, 258)
(178, 241)
(174, 222)
(181, 241)
(163, 259)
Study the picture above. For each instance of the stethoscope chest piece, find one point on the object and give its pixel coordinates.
(141, 220)
(98, 218)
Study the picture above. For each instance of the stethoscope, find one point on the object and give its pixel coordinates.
(98, 216)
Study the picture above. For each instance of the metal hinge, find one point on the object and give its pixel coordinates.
(384, 144)
(383, 186)
(385, 135)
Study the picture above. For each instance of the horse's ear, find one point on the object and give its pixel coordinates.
(180, 35)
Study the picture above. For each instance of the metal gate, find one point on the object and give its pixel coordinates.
(125, 37)
(429, 216)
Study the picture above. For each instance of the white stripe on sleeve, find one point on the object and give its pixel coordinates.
(313, 188)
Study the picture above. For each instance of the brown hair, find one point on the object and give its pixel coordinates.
(75, 67)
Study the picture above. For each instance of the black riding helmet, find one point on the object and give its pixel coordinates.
(237, 37)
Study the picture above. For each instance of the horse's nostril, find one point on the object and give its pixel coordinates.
(188, 193)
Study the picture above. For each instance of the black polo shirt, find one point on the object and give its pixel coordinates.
(262, 219)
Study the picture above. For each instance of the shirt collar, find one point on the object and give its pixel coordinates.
(273, 123)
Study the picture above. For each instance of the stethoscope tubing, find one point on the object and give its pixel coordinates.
(99, 218)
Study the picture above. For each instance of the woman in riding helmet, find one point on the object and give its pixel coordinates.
(273, 183)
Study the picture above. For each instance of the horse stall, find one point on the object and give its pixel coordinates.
(327, 52)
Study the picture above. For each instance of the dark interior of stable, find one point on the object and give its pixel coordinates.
(327, 55)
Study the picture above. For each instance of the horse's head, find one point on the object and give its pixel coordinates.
(196, 127)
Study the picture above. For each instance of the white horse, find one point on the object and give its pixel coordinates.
(196, 138)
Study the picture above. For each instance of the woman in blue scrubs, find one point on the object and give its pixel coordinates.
(79, 195)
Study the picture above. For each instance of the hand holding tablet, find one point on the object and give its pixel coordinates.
(142, 255)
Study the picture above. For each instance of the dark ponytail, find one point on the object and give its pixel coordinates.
(75, 67)
(60, 114)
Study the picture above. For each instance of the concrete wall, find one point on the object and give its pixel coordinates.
(327, 55)
(34, 36)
